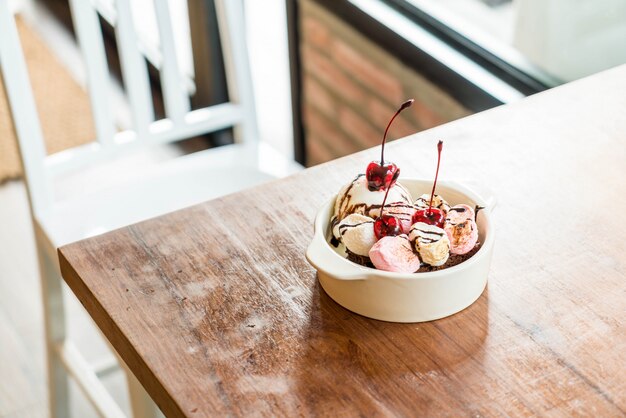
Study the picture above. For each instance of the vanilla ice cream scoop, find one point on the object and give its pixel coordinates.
(356, 232)
(431, 242)
(355, 197)
(423, 202)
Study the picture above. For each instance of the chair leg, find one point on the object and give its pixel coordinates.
(54, 325)
(141, 403)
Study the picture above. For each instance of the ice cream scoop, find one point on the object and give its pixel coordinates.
(356, 232)
(439, 202)
(431, 242)
(461, 229)
(355, 197)
(394, 253)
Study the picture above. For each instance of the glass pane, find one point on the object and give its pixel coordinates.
(567, 39)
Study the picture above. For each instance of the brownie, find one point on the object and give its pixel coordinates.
(359, 259)
(453, 260)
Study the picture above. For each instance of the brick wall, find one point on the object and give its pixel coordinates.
(352, 87)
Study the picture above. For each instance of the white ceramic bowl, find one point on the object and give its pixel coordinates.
(406, 297)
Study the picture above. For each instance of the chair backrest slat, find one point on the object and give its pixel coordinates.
(175, 96)
(231, 22)
(197, 122)
(87, 27)
(23, 109)
(134, 69)
(180, 123)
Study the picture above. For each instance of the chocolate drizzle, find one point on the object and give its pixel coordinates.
(344, 207)
(423, 203)
(395, 209)
(335, 220)
(347, 193)
(344, 227)
(425, 236)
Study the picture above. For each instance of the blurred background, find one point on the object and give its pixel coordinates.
(360, 58)
(327, 75)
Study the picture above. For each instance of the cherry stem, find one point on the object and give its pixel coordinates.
(432, 194)
(383, 205)
(404, 105)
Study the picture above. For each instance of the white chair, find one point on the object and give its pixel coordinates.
(171, 185)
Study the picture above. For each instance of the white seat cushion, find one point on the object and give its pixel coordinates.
(170, 186)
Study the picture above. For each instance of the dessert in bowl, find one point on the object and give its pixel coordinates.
(384, 255)
(404, 297)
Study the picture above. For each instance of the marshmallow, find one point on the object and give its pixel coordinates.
(431, 242)
(461, 229)
(356, 232)
(459, 213)
(439, 202)
(394, 254)
(355, 197)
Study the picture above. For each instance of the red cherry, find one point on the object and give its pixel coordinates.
(430, 216)
(387, 226)
(380, 175)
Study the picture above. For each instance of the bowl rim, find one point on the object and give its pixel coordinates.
(322, 219)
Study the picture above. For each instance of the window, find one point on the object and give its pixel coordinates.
(552, 41)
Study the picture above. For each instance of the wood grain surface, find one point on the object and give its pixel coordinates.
(217, 311)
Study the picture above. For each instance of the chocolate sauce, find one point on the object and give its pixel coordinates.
(401, 205)
(425, 236)
(347, 192)
(344, 208)
(344, 227)
(458, 209)
(439, 234)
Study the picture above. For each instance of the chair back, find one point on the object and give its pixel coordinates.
(180, 121)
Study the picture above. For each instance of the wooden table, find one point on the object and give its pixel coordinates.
(217, 312)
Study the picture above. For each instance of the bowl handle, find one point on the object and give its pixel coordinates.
(486, 196)
(325, 259)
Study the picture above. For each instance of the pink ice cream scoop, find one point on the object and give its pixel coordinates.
(394, 254)
(461, 229)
